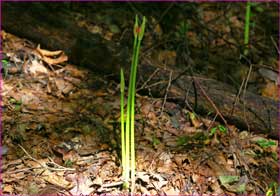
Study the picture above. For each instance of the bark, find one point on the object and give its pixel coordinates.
(57, 30)
(251, 112)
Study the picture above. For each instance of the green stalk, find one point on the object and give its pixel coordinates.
(135, 63)
(132, 148)
(127, 133)
(247, 27)
(128, 114)
(124, 163)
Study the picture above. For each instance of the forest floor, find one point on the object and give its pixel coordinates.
(61, 122)
(61, 136)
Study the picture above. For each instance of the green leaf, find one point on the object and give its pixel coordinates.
(272, 189)
(222, 128)
(4, 61)
(183, 28)
(213, 131)
(5, 67)
(192, 115)
(14, 101)
(259, 9)
(68, 163)
(225, 180)
(155, 141)
(17, 107)
(241, 188)
(114, 28)
(182, 140)
(274, 156)
(266, 143)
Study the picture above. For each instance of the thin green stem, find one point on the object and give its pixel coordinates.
(127, 133)
(128, 115)
(132, 140)
(247, 27)
(132, 148)
(124, 163)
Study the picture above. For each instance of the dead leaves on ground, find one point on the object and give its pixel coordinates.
(67, 120)
(39, 64)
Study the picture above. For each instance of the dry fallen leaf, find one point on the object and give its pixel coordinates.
(35, 68)
(8, 188)
(55, 179)
(83, 185)
(270, 90)
(46, 54)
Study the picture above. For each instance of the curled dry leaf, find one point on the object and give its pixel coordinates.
(46, 56)
(62, 58)
(43, 52)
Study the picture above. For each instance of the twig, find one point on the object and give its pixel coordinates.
(155, 84)
(29, 156)
(186, 100)
(22, 170)
(237, 97)
(60, 168)
(211, 102)
(244, 93)
(112, 184)
(212, 122)
(45, 166)
(275, 45)
(166, 92)
(148, 80)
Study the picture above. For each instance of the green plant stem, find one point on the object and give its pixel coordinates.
(135, 64)
(128, 115)
(131, 100)
(127, 134)
(122, 125)
(247, 27)
(132, 148)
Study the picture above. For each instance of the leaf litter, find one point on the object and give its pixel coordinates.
(61, 135)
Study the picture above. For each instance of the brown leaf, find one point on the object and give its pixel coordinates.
(270, 90)
(43, 52)
(8, 188)
(35, 68)
(57, 180)
(62, 58)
